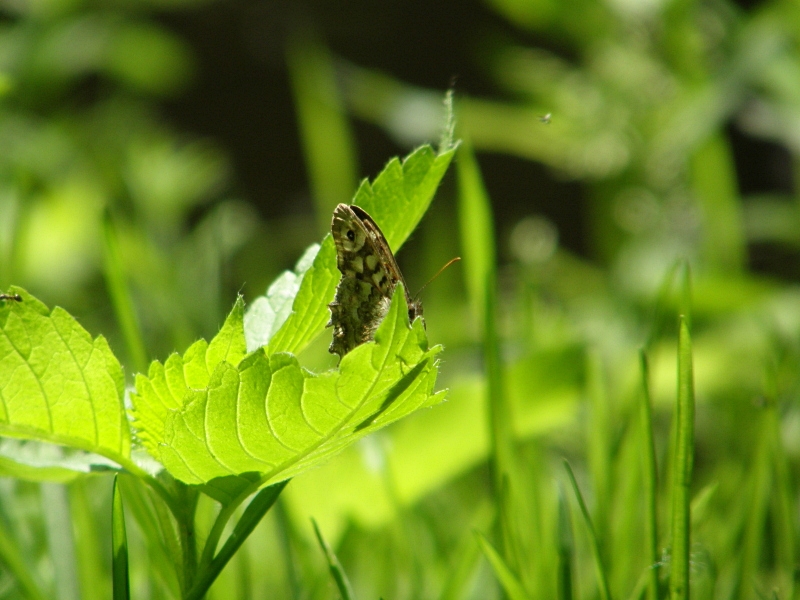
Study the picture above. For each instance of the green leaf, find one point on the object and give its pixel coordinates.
(57, 384)
(195, 413)
(265, 316)
(164, 388)
(268, 415)
(228, 489)
(397, 200)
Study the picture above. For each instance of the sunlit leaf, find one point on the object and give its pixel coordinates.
(57, 384)
(166, 385)
(268, 313)
(266, 414)
(396, 200)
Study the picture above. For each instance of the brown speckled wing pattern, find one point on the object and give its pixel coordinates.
(369, 277)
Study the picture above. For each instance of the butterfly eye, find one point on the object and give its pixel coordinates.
(350, 235)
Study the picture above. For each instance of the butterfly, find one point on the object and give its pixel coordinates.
(369, 277)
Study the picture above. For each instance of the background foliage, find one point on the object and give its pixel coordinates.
(187, 150)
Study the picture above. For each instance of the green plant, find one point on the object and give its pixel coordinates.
(221, 421)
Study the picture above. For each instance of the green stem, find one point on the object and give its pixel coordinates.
(253, 514)
(682, 469)
(188, 501)
(225, 513)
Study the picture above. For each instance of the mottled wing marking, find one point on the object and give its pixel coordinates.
(369, 276)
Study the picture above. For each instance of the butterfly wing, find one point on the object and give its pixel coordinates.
(369, 276)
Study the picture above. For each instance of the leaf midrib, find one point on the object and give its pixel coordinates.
(267, 476)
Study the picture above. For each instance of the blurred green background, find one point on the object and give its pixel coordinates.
(206, 143)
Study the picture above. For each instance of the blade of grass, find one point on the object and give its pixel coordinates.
(704, 577)
(13, 564)
(715, 187)
(287, 537)
(157, 526)
(540, 506)
(600, 571)
(467, 554)
(682, 464)
(641, 584)
(783, 498)
(650, 484)
(509, 525)
(121, 298)
(327, 139)
(119, 547)
(509, 582)
(761, 488)
(478, 248)
(781, 495)
(462, 572)
(476, 229)
(337, 572)
(662, 315)
(598, 435)
(684, 303)
(701, 501)
(565, 549)
(253, 514)
(624, 549)
(685, 300)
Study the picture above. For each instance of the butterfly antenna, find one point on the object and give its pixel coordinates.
(439, 272)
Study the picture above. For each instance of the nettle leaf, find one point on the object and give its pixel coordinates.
(231, 421)
(166, 386)
(397, 200)
(268, 415)
(57, 384)
(269, 312)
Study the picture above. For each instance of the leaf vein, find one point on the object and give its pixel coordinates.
(25, 363)
(85, 384)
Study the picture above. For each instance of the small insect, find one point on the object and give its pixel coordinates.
(14, 297)
(546, 118)
(369, 277)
